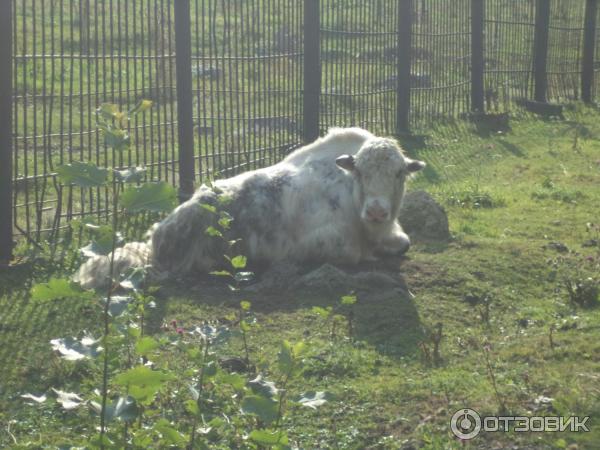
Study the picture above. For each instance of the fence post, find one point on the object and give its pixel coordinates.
(185, 122)
(477, 57)
(312, 70)
(540, 49)
(404, 19)
(6, 155)
(589, 48)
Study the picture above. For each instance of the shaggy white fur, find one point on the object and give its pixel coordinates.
(335, 200)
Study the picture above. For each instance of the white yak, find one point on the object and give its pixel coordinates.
(335, 200)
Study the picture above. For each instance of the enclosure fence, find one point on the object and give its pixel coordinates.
(238, 84)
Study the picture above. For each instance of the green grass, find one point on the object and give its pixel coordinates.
(539, 184)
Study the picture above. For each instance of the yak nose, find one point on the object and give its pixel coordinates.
(376, 213)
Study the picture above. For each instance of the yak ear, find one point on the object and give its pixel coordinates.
(345, 162)
(415, 165)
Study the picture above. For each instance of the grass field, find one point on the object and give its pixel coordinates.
(517, 197)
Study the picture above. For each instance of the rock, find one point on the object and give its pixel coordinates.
(327, 278)
(330, 278)
(423, 218)
(558, 246)
(277, 278)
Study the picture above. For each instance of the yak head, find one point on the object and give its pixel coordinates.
(380, 171)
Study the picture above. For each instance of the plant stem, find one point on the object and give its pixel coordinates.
(282, 395)
(107, 316)
(493, 380)
(246, 348)
(199, 400)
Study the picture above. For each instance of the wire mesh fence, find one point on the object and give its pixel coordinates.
(69, 57)
(358, 57)
(596, 76)
(440, 75)
(509, 33)
(565, 46)
(247, 72)
(381, 64)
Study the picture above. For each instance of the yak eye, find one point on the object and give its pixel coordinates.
(400, 174)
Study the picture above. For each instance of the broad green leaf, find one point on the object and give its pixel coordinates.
(143, 438)
(285, 357)
(82, 174)
(156, 197)
(210, 370)
(245, 326)
(245, 305)
(213, 232)
(142, 106)
(99, 441)
(263, 407)
(102, 240)
(268, 437)
(224, 223)
(208, 207)
(108, 111)
(299, 349)
(116, 138)
(143, 382)
(73, 349)
(239, 262)
(130, 175)
(224, 200)
(221, 273)
(225, 220)
(134, 332)
(262, 387)
(68, 400)
(313, 399)
(146, 345)
(321, 311)
(57, 288)
(191, 406)
(169, 433)
(233, 379)
(348, 300)
(289, 357)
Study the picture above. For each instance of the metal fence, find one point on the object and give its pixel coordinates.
(238, 84)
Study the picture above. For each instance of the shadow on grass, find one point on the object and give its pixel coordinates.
(432, 247)
(26, 328)
(512, 148)
(385, 318)
(487, 125)
(412, 144)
